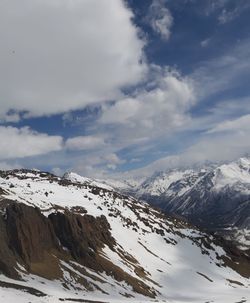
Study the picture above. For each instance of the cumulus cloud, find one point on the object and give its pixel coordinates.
(24, 142)
(135, 122)
(121, 112)
(84, 143)
(151, 112)
(97, 164)
(62, 55)
(160, 18)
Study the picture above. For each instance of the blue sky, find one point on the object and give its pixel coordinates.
(123, 88)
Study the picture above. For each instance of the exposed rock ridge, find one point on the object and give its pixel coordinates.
(38, 244)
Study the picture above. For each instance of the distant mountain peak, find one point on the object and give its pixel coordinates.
(215, 196)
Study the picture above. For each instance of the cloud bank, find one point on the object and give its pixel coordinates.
(24, 142)
(62, 55)
(59, 56)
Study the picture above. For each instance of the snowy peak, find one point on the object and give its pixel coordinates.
(76, 178)
(180, 182)
(159, 183)
(73, 177)
(216, 197)
(232, 173)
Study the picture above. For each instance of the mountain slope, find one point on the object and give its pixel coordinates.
(65, 240)
(214, 197)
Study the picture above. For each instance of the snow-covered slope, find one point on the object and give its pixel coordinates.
(73, 177)
(214, 197)
(130, 251)
(233, 174)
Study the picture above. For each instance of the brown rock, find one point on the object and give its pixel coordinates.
(82, 235)
(30, 233)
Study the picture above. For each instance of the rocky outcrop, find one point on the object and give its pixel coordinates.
(30, 234)
(7, 257)
(40, 244)
(27, 236)
(83, 236)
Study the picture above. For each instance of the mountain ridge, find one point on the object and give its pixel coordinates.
(106, 246)
(215, 197)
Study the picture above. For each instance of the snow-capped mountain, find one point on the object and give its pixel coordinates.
(214, 197)
(73, 177)
(68, 239)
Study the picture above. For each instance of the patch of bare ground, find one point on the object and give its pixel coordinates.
(153, 253)
(29, 290)
(235, 282)
(81, 300)
(236, 259)
(49, 267)
(204, 276)
(242, 301)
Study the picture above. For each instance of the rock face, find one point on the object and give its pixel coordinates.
(37, 243)
(7, 256)
(83, 236)
(30, 234)
(26, 234)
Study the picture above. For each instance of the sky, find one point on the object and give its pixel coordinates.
(123, 88)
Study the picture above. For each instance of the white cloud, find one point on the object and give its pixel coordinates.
(151, 113)
(97, 164)
(85, 53)
(213, 6)
(121, 111)
(205, 43)
(57, 171)
(230, 69)
(160, 19)
(112, 158)
(9, 117)
(229, 14)
(148, 115)
(225, 10)
(9, 166)
(84, 143)
(62, 55)
(241, 124)
(24, 142)
(227, 141)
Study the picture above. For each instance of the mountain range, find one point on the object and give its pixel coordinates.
(67, 239)
(214, 197)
